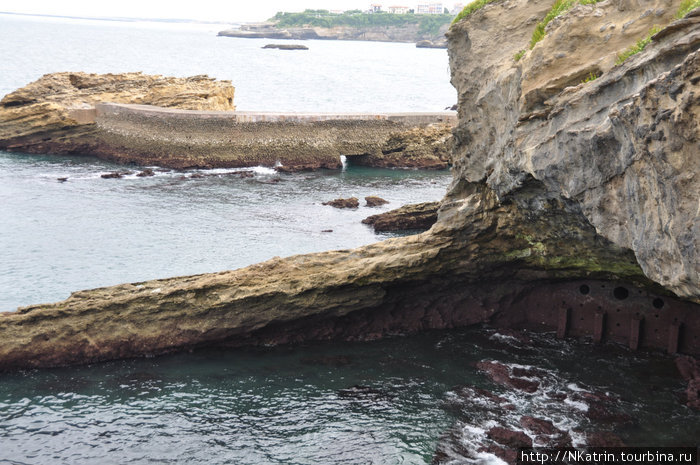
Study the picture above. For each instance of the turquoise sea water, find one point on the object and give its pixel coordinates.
(384, 402)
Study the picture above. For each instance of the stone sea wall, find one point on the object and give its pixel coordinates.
(191, 123)
(171, 137)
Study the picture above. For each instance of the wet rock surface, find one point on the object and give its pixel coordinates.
(351, 202)
(373, 201)
(287, 46)
(689, 369)
(415, 216)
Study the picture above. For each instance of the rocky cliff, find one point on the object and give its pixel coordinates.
(573, 208)
(621, 145)
(59, 104)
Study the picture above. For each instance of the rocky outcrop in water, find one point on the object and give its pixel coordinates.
(190, 123)
(407, 32)
(58, 108)
(573, 208)
(414, 216)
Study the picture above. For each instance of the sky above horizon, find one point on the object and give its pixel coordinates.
(203, 10)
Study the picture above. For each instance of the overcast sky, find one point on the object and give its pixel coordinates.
(225, 11)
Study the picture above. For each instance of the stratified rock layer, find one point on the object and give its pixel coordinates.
(623, 147)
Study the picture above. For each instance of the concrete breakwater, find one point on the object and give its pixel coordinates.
(187, 138)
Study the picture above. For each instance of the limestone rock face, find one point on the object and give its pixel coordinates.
(59, 101)
(623, 147)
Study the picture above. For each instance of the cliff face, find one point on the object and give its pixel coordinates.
(573, 206)
(622, 147)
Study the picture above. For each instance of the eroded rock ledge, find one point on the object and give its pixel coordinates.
(575, 213)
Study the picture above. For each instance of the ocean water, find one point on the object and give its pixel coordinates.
(385, 402)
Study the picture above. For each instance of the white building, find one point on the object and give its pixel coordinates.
(398, 10)
(430, 9)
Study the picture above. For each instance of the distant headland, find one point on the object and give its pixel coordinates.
(403, 25)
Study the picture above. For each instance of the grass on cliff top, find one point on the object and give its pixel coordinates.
(427, 24)
(686, 7)
(559, 7)
(471, 8)
(638, 47)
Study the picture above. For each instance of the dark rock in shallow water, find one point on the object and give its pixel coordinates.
(501, 374)
(374, 201)
(115, 175)
(508, 437)
(538, 425)
(351, 202)
(146, 173)
(287, 46)
(419, 216)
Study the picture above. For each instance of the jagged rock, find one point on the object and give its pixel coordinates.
(351, 202)
(373, 201)
(420, 216)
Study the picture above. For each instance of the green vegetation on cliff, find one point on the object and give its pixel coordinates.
(686, 7)
(429, 24)
(471, 8)
(638, 47)
(559, 7)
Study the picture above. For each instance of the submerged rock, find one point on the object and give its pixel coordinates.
(373, 201)
(146, 173)
(352, 202)
(287, 46)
